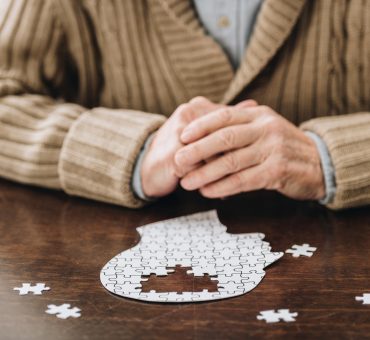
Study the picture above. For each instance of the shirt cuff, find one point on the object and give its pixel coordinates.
(136, 177)
(327, 168)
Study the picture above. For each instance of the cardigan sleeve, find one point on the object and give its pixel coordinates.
(48, 141)
(348, 140)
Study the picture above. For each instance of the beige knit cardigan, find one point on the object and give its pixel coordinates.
(83, 83)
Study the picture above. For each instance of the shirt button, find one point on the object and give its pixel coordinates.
(223, 21)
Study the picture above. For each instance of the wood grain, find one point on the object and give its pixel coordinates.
(63, 241)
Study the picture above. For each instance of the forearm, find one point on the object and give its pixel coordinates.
(88, 153)
(47, 142)
(32, 131)
(99, 153)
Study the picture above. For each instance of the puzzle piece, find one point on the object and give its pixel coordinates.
(365, 298)
(270, 316)
(230, 287)
(27, 288)
(159, 271)
(64, 311)
(228, 269)
(200, 271)
(199, 242)
(303, 250)
(127, 287)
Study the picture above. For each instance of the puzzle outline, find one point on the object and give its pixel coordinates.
(198, 241)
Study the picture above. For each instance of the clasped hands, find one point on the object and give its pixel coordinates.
(225, 150)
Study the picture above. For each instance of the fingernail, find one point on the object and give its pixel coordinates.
(187, 183)
(186, 135)
(179, 156)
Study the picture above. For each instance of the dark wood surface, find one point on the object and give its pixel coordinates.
(63, 241)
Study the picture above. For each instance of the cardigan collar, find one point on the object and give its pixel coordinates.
(199, 62)
(274, 24)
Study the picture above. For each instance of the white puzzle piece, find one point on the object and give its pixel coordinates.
(303, 250)
(365, 298)
(270, 316)
(27, 288)
(198, 241)
(64, 311)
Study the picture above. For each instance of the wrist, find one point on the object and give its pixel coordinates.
(147, 173)
(317, 172)
(137, 180)
(147, 180)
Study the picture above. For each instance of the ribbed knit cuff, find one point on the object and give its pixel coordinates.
(99, 153)
(348, 140)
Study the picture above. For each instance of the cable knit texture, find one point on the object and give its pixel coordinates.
(83, 83)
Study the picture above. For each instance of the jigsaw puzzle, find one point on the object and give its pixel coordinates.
(198, 241)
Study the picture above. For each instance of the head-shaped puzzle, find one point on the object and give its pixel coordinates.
(199, 241)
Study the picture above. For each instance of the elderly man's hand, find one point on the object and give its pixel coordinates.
(249, 148)
(159, 173)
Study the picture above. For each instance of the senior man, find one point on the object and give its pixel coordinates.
(280, 88)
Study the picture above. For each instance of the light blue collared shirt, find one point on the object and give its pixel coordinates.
(230, 23)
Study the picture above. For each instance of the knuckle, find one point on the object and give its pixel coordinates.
(282, 148)
(278, 174)
(181, 110)
(208, 191)
(225, 115)
(228, 138)
(231, 162)
(278, 144)
(266, 109)
(194, 151)
(178, 165)
(274, 128)
(271, 178)
(185, 112)
(237, 180)
(199, 100)
(280, 169)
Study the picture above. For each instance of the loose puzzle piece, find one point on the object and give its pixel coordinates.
(303, 250)
(64, 311)
(198, 241)
(270, 316)
(365, 298)
(27, 288)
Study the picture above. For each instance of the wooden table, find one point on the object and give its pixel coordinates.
(63, 241)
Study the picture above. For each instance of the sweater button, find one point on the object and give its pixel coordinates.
(223, 21)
